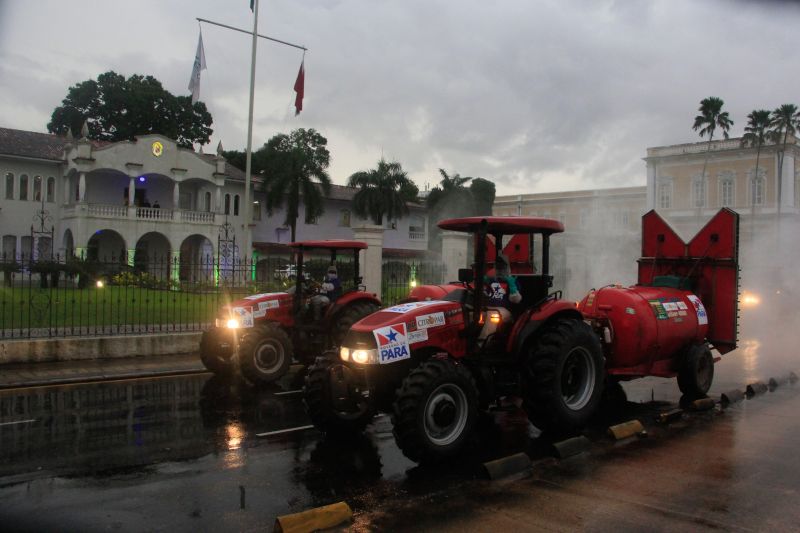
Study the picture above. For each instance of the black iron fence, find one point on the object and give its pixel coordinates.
(400, 276)
(79, 296)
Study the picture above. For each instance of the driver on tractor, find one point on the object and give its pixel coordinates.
(501, 291)
(329, 291)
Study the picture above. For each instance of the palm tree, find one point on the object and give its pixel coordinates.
(710, 118)
(380, 192)
(756, 133)
(451, 195)
(294, 169)
(783, 123)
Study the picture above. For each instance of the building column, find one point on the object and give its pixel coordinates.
(67, 188)
(131, 256)
(175, 266)
(651, 185)
(370, 260)
(131, 191)
(176, 195)
(454, 253)
(82, 187)
(217, 200)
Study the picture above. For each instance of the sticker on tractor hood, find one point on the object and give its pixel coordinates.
(263, 307)
(702, 316)
(244, 315)
(430, 321)
(420, 335)
(264, 295)
(392, 343)
(410, 306)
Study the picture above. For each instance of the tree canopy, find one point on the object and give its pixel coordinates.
(453, 198)
(381, 192)
(294, 168)
(117, 109)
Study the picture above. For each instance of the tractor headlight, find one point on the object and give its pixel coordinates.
(359, 356)
(232, 323)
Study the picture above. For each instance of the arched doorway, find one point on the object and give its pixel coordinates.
(197, 259)
(68, 244)
(106, 246)
(152, 255)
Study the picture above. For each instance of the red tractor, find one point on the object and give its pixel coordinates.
(266, 331)
(434, 362)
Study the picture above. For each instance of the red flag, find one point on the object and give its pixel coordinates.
(299, 89)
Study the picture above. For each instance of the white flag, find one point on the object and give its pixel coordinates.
(199, 64)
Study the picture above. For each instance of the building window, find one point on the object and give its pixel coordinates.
(256, 210)
(23, 187)
(9, 186)
(698, 192)
(236, 205)
(37, 188)
(26, 251)
(208, 201)
(227, 204)
(391, 224)
(9, 247)
(726, 192)
(344, 218)
(624, 219)
(51, 190)
(757, 191)
(416, 227)
(797, 189)
(665, 195)
(584, 219)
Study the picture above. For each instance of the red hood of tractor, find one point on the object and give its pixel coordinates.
(261, 303)
(415, 315)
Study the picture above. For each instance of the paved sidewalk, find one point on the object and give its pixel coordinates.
(37, 374)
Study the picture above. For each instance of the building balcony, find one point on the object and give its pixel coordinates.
(416, 235)
(121, 212)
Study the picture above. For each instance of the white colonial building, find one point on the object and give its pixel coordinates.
(112, 201)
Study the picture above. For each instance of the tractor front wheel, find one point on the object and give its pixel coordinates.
(348, 316)
(435, 411)
(332, 401)
(265, 354)
(564, 377)
(216, 349)
(696, 372)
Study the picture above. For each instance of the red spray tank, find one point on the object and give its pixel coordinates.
(686, 296)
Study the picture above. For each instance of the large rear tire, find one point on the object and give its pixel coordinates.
(435, 411)
(332, 400)
(564, 377)
(348, 316)
(265, 354)
(213, 357)
(696, 372)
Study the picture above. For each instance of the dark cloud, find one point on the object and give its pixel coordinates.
(535, 95)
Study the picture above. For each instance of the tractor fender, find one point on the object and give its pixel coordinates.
(350, 297)
(525, 330)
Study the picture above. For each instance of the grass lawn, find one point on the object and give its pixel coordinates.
(24, 307)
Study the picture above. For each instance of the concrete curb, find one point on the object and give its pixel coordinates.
(108, 376)
(507, 466)
(85, 348)
(625, 430)
(570, 447)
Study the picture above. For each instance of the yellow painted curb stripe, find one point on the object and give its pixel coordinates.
(323, 517)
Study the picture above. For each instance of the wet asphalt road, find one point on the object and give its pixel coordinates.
(183, 454)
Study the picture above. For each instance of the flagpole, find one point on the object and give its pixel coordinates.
(248, 244)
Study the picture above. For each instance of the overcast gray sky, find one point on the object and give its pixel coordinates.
(536, 96)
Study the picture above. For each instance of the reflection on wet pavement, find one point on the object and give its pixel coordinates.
(186, 449)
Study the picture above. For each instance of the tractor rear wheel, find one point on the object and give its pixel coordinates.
(265, 354)
(563, 376)
(331, 401)
(213, 357)
(435, 411)
(348, 316)
(696, 372)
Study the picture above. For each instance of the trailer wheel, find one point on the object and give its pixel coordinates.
(265, 353)
(563, 376)
(331, 402)
(435, 411)
(696, 372)
(213, 357)
(348, 316)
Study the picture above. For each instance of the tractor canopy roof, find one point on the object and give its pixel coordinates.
(332, 244)
(504, 225)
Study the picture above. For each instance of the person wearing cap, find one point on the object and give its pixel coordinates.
(329, 291)
(501, 291)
